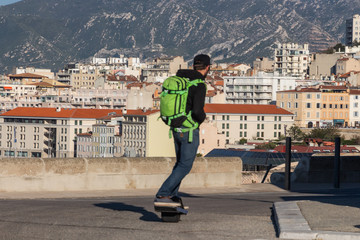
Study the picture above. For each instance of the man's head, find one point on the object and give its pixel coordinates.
(202, 63)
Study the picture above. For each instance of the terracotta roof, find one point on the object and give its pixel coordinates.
(70, 112)
(26, 75)
(85, 134)
(333, 87)
(308, 149)
(211, 93)
(140, 112)
(348, 74)
(301, 90)
(42, 84)
(138, 84)
(354, 91)
(245, 109)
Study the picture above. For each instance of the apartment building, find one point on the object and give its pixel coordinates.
(325, 106)
(354, 109)
(39, 71)
(26, 78)
(292, 59)
(249, 121)
(304, 103)
(352, 32)
(135, 133)
(45, 132)
(163, 67)
(257, 89)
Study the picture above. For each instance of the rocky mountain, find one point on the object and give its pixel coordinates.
(50, 33)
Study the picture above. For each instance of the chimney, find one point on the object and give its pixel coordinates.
(124, 111)
(58, 109)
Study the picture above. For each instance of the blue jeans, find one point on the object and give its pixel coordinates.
(185, 156)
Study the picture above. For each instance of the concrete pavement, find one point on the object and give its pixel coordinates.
(307, 212)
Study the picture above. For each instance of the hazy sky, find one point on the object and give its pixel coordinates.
(5, 2)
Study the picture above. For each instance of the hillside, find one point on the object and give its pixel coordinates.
(50, 33)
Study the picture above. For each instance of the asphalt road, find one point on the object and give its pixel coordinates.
(215, 216)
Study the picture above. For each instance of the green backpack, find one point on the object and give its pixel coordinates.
(173, 101)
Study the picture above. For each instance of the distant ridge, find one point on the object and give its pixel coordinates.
(50, 33)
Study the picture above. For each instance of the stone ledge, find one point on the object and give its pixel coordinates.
(77, 174)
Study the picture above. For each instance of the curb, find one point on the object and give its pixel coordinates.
(291, 224)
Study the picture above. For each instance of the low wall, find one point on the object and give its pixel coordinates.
(77, 174)
(320, 168)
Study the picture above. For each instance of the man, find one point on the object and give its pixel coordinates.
(186, 150)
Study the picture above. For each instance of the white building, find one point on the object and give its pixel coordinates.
(292, 59)
(354, 108)
(249, 121)
(258, 89)
(352, 33)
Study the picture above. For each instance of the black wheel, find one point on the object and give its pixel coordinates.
(170, 217)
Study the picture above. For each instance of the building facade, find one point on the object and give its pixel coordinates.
(258, 89)
(292, 59)
(320, 107)
(237, 121)
(352, 32)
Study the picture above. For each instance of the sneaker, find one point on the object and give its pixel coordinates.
(166, 202)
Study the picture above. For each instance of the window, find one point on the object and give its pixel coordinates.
(245, 126)
(80, 122)
(223, 126)
(308, 96)
(296, 105)
(76, 122)
(227, 126)
(262, 126)
(308, 105)
(318, 96)
(318, 105)
(241, 126)
(324, 105)
(258, 126)
(275, 126)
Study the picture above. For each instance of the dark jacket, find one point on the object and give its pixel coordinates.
(196, 96)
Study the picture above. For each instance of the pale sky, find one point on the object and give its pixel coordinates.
(5, 2)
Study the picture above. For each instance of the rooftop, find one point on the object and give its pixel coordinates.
(245, 109)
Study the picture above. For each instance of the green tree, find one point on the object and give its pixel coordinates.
(295, 133)
(269, 145)
(335, 48)
(242, 141)
(326, 134)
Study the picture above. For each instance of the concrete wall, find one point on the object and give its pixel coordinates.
(77, 174)
(320, 169)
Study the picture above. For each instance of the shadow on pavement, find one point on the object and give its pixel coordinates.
(118, 206)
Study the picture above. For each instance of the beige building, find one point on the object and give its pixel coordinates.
(264, 64)
(163, 67)
(347, 64)
(26, 78)
(134, 133)
(210, 137)
(304, 103)
(323, 65)
(249, 121)
(326, 106)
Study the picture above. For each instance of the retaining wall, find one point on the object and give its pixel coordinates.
(77, 174)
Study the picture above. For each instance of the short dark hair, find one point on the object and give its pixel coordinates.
(200, 66)
(201, 61)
